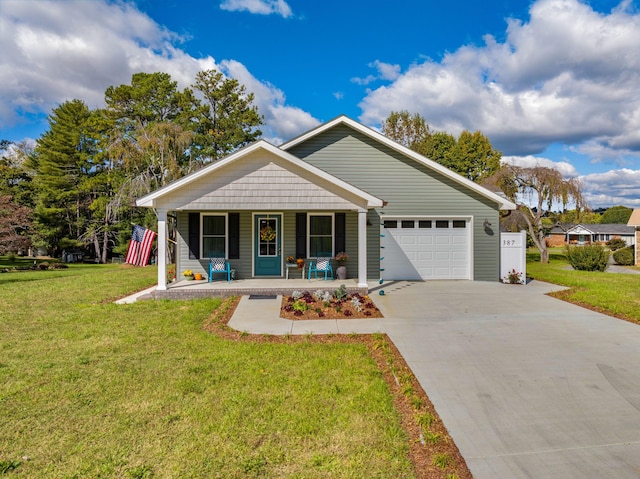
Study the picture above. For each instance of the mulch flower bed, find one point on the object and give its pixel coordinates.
(327, 305)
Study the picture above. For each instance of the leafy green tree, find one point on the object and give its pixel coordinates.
(227, 118)
(150, 98)
(406, 129)
(62, 163)
(15, 175)
(439, 147)
(474, 157)
(471, 154)
(147, 131)
(616, 214)
(574, 216)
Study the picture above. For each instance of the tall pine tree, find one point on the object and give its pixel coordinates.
(63, 164)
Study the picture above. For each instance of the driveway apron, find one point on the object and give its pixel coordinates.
(527, 385)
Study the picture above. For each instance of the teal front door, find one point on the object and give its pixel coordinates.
(267, 250)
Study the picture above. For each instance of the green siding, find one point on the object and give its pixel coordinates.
(244, 265)
(408, 187)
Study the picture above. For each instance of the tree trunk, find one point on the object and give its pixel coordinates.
(105, 247)
(544, 255)
(96, 246)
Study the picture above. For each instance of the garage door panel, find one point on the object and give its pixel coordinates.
(425, 256)
(424, 240)
(443, 255)
(427, 253)
(406, 240)
(442, 240)
(459, 256)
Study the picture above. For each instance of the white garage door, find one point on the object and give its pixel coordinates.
(426, 249)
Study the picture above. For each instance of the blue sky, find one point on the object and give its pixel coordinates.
(550, 82)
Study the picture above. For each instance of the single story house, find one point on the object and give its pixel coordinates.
(338, 187)
(557, 236)
(600, 233)
(634, 222)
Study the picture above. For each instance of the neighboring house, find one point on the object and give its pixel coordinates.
(600, 233)
(339, 187)
(634, 222)
(558, 235)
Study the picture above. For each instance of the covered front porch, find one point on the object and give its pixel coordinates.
(183, 289)
(255, 208)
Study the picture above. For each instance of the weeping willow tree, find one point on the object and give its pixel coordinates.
(536, 190)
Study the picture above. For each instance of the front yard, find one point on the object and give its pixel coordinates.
(93, 389)
(611, 293)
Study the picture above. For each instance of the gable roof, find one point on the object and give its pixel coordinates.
(151, 200)
(634, 219)
(606, 228)
(504, 203)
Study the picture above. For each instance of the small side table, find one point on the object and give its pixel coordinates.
(289, 266)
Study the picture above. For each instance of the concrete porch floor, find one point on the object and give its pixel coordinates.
(183, 289)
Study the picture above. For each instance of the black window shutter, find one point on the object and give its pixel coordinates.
(234, 235)
(194, 235)
(341, 232)
(301, 235)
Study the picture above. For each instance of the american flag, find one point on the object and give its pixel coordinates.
(140, 246)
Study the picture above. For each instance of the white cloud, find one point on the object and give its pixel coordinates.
(282, 122)
(260, 7)
(530, 161)
(385, 71)
(602, 152)
(56, 51)
(614, 187)
(567, 75)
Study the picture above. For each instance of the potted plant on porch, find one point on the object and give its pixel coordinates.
(188, 274)
(341, 271)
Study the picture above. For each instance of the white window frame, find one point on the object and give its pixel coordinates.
(226, 233)
(333, 231)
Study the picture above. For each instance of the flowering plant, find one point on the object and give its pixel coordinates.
(513, 277)
(342, 257)
(187, 272)
(291, 260)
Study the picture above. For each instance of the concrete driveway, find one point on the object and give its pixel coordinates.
(528, 386)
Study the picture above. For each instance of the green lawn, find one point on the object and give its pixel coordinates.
(93, 389)
(612, 293)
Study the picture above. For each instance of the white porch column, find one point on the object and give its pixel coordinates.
(362, 249)
(162, 249)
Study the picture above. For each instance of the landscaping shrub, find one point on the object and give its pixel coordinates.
(588, 257)
(624, 256)
(616, 244)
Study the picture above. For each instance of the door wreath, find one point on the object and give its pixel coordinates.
(267, 233)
